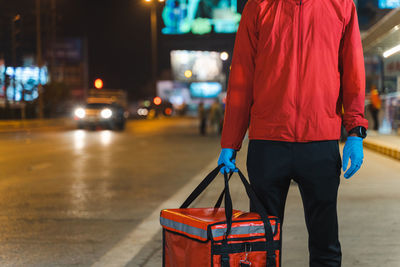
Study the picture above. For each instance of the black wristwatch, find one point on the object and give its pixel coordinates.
(359, 131)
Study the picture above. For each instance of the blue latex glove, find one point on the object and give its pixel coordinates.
(227, 157)
(353, 149)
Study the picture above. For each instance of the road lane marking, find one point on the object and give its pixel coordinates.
(125, 250)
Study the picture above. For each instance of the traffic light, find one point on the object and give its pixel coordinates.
(98, 84)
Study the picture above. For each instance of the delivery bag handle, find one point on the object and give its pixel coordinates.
(221, 196)
(201, 187)
(229, 209)
(228, 201)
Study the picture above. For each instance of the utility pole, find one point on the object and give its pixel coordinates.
(154, 46)
(53, 39)
(153, 21)
(39, 58)
(14, 33)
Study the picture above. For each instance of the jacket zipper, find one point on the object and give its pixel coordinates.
(299, 55)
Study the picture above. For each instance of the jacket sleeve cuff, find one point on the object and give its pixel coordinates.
(231, 145)
(363, 123)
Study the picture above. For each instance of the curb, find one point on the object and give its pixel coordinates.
(383, 148)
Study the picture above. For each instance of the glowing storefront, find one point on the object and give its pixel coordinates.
(21, 83)
(381, 44)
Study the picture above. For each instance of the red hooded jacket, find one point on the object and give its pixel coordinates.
(295, 63)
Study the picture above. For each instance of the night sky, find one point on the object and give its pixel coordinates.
(118, 34)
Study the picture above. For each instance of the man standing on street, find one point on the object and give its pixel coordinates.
(296, 63)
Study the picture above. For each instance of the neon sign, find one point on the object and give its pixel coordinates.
(200, 16)
(389, 3)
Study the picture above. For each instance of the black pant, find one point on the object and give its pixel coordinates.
(316, 167)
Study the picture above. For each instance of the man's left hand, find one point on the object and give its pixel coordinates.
(353, 150)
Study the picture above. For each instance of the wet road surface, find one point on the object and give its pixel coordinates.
(68, 197)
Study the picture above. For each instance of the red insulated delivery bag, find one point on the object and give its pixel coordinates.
(197, 237)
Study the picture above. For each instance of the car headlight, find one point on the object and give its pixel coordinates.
(106, 113)
(143, 111)
(80, 113)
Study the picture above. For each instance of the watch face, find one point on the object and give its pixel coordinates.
(359, 131)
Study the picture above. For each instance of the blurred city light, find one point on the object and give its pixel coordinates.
(80, 113)
(106, 113)
(157, 101)
(203, 65)
(146, 103)
(391, 51)
(26, 79)
(184, 16)
(224, 56)
(388, 3)
(205, 89)
(143, 111)
(168, 111)
(98, 83)
(188, 74)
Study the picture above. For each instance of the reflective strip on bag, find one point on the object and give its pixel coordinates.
(194, 231)
(241, 230)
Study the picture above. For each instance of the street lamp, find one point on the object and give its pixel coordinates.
(153, 23)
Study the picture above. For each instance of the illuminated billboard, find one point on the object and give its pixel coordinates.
(200, 16)
(175, 92)
(205, 89)
(192, 66)
(389, 3)
(26, 82)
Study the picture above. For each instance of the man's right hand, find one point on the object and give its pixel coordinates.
(227, 157)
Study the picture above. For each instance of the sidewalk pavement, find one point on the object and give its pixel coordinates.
(386, 144)
(368, 217)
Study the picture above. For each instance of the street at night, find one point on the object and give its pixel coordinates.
(70, 197)
(115, 116)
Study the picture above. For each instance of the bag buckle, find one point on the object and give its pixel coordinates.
(245, 262)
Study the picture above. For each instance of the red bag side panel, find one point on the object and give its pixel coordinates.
(237, 225)
(181, 251)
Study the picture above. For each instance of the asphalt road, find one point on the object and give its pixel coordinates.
(67, 198)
